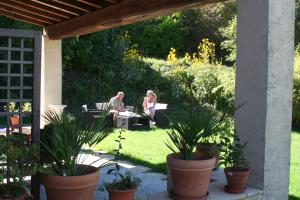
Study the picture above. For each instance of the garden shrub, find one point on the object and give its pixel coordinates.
(296, 92)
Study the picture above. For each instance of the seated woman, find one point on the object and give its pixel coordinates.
(149, 103)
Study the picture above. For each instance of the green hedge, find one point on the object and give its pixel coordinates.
(296, 93)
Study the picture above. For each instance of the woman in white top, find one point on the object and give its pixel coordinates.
(149, 103)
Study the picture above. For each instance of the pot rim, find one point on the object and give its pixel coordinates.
(236, 169)
(174, 155)
(122, 191)
(190, 165)
(88, 174)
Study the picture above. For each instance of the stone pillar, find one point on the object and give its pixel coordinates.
(264, 86)
(51, 74)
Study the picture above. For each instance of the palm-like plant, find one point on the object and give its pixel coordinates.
(67, 138)
(188, 128)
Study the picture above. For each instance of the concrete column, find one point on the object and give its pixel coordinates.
(51, 74)
(264, 85)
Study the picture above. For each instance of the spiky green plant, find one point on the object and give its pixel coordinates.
(189, 127)
(68, 136)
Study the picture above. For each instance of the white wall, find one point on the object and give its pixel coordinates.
(51, 74)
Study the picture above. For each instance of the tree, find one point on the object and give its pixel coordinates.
(230, 43)
(297, 23)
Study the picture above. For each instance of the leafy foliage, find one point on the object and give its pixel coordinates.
(230, 43)
(21, 158)
(296, 91)
(233, 153)
(6, 22)
(68, 137)
(127, 182)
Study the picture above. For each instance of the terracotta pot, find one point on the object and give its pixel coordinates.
(23, 196)
(122, 194)
(208, 149)
(189, 178)
(72, 187)
(15, 120)
(236, 179)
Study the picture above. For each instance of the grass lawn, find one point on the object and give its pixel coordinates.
(147, 148)
(142, 147)
(295, 166)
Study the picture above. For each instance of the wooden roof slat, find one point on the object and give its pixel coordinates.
(123, 13)
(59, 6)
(77, 5)
(112, 1)
(96, 3)
(22, 18)
(44, 8)
(20, 6)
(25, 14)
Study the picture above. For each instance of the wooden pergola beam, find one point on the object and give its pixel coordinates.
(112, 1)
(123, 13)
(24, 7)
(44, 8)
(76, 5)
(59, 6)
(95, 3)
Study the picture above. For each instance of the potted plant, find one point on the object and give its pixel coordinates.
(189, 171)
(21, 159)
(65, 177)
(236, 166)
(124, 186)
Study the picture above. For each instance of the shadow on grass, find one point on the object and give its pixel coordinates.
(160, 167)
(145, 129)
(296, 130)
(292, 197)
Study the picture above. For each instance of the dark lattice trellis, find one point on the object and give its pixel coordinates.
(20, 72)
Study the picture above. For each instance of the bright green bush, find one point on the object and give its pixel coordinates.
(296, 92)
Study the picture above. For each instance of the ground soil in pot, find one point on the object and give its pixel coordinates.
(72, 187)
(236, 179)
(190, 178)
(122, 194)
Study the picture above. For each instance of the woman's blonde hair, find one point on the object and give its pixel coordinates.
(150, 92)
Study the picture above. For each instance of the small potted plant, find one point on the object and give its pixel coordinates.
(189, 171)
(65, 176)
(124, 186)
(21, 159)
(236, 165)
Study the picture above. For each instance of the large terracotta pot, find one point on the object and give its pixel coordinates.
(23, 196)
(72, 187)
(189, 178)
(236, 179)
(122, 194)
(208, 149)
